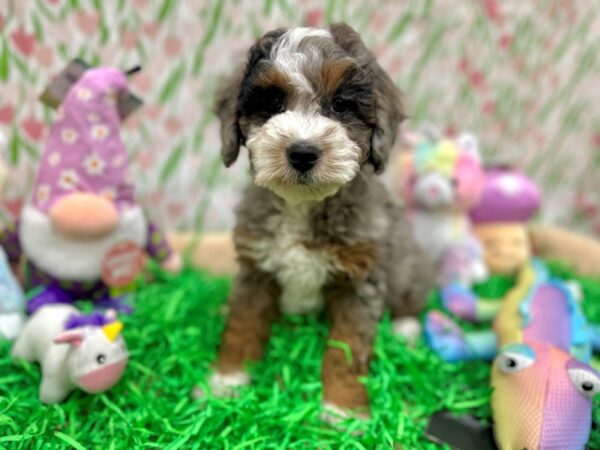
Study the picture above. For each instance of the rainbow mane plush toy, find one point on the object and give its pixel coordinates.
(442, 180)
(543, 383)
(82, 233)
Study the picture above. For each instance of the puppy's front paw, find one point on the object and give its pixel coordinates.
(226, 385)
(408, 327)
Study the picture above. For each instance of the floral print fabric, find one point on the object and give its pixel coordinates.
(521, 75)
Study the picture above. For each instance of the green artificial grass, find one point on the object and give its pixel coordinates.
(172, 336)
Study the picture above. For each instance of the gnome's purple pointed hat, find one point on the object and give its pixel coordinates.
(84, 151)
(509, 196)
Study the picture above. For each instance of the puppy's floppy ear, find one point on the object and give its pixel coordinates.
(227, 107)
(390, 111)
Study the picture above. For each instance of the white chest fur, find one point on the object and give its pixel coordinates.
(301, 272)
(436, 231)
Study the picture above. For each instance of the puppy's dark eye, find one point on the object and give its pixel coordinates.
(342, 105)
(101, 358)
(274, 104)
(263, 101)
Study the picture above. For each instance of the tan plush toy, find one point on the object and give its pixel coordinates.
(509, 200)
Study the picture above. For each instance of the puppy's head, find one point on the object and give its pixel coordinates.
(313, 107)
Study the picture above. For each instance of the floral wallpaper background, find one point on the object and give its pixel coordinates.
(524, 76)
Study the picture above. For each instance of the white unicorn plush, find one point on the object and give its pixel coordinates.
(73, 350)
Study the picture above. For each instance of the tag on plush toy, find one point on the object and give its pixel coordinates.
(57, 90)
(122, 264)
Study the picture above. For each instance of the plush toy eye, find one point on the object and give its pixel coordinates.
(586, 382)
(340, 105)
(101, 358)
(510, 362)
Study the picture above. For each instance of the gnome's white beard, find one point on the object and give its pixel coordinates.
(72, 259)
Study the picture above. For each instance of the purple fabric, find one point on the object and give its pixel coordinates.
(93, 290)
(508, 196)
(158, 246)
(118, 303)
(9, 239)
(460, 301)
(548, 309)
(95, 319)
(55, 293)
(48, 296)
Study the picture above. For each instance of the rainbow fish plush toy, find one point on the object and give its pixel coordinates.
(543, 383)
(442, 180)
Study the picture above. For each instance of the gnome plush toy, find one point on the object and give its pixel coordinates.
(82, 232)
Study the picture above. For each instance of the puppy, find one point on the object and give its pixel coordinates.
(316, 230)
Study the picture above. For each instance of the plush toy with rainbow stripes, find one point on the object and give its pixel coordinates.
(442, 179)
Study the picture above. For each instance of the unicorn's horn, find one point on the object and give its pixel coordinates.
(112, 330)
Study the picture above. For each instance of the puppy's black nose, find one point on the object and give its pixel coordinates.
(303, 155)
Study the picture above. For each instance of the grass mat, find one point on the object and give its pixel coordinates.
(172, 336)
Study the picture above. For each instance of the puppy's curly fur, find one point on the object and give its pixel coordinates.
(324, 237)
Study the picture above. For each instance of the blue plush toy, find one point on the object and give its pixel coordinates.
(12, 301)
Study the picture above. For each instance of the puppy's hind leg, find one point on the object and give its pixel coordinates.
(253, 308)
(411, 278)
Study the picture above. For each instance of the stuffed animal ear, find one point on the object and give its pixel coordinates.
(71, 337)
(430, 132)
(469, 143)
(111, 314)
(410, 139)
(389, 109)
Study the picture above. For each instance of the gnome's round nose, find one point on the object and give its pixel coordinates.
(84, 216)
(82, 183)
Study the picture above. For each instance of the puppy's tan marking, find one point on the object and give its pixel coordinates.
(273, 77)
(333, 74)
(355, 260)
